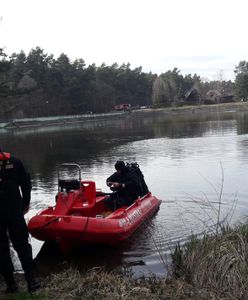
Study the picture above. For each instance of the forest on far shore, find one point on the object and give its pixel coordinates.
(37, 84)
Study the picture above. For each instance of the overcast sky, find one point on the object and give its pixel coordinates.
(196, 36)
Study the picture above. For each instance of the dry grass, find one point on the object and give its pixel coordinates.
(217, 263)
(97, 284)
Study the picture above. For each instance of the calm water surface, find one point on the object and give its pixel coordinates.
(190, 162)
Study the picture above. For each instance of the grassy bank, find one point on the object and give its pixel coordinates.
(216, 263)
(215, 267)
(98, 284)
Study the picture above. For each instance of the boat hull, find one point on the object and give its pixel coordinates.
(76, 228)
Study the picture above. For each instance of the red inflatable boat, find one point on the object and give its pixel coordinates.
(80, 216)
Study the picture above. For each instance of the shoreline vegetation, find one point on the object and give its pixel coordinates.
(39, 84)
(73, 119)
(214, 267)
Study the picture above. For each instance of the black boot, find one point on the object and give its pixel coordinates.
(11, 288)
(32, 282)
(11, 284)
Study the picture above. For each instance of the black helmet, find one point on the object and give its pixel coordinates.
(120, 166)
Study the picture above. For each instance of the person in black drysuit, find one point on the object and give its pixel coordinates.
(126, 187)
(13, 178)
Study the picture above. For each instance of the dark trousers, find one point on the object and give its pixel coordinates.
(115, 201)
(15, 229)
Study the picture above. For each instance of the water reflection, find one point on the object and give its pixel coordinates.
(182, 158)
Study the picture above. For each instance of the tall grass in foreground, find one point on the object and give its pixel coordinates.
(218, 263)
(97, 284)
(209, 220)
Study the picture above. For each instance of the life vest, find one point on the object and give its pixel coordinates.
(4, 156)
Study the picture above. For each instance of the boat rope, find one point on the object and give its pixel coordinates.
(86, 225)
(50, 222)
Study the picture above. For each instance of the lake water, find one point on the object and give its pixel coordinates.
(191, 162)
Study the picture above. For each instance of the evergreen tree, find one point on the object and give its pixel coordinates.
(241, 80)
